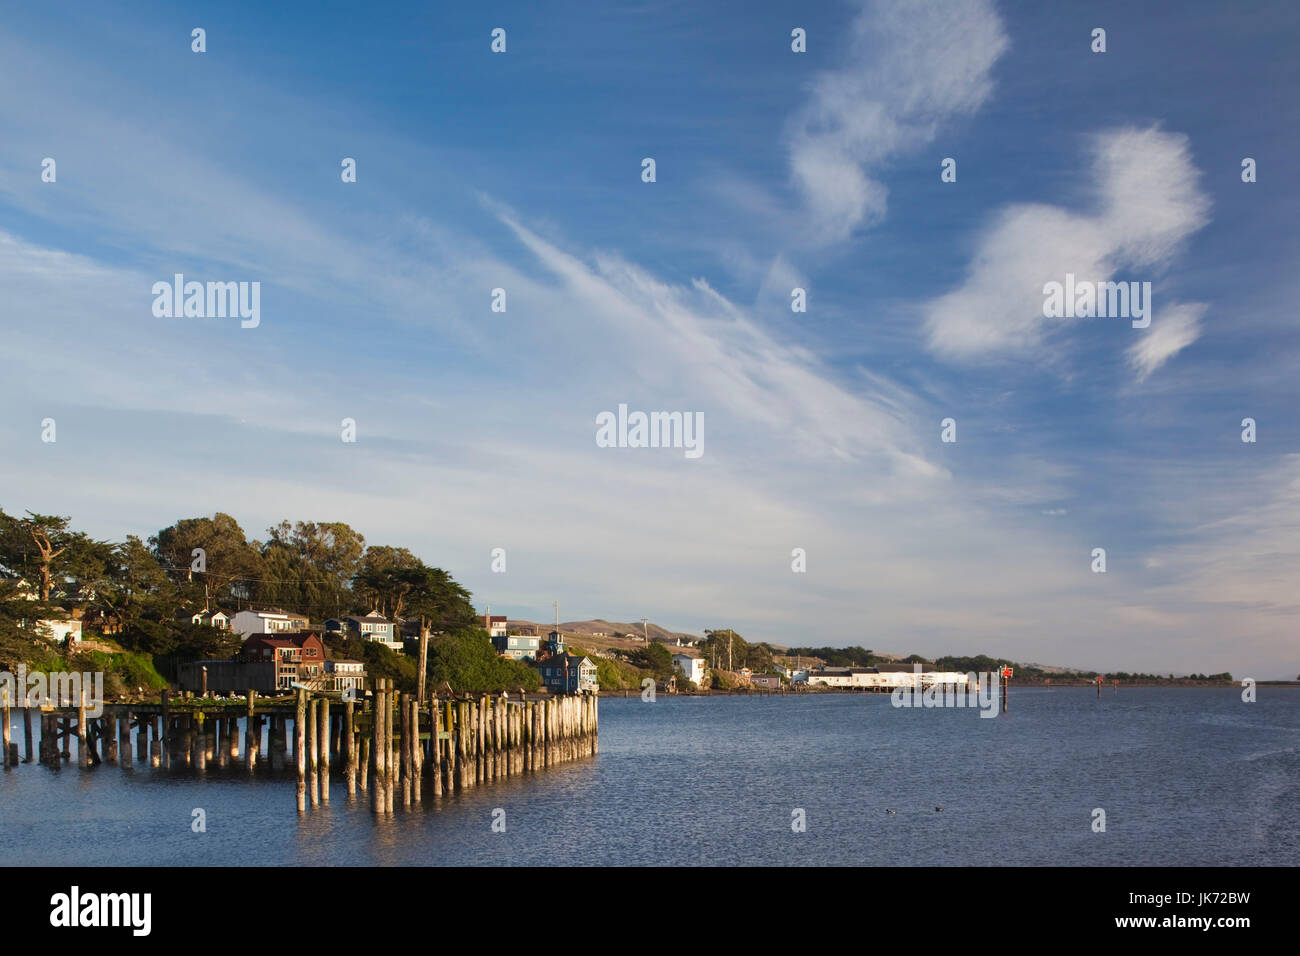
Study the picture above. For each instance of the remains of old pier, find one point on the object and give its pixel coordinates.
(394, 747)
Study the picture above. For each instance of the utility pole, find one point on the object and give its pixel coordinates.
(645, 631)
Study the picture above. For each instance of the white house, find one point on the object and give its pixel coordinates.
(62, 630)
(217, 619)
(373, 627)
(346, 675)
(692, 666)
(245, 623)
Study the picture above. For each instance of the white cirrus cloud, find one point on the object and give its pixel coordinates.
(911, 68)
(1147, 204)
(1177, 327)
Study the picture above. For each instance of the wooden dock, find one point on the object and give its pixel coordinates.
(390, 745)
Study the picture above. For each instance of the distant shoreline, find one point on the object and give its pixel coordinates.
(1073, 684)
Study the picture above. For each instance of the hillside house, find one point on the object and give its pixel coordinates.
(373, 627)
(272, 664)
(246, 623)
(519, 647)
(297, 657)
(565, 674)
(61, 629)
(692, 667)
(217, 619)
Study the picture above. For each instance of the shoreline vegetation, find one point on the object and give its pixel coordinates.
(135, 604)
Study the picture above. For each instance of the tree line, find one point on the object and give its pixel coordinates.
(142, 593)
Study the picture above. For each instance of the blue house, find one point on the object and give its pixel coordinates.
(567, 674)
(519, 647)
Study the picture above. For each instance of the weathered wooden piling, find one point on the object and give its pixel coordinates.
(109, 723)
(458, 720)
(323, 743)
(300, 749)
(4, 718)
(27, 734)
(404, 722)
(446, 755)
(166, 728)
(44, 743)
(499, 745)
(249, 759)
(350, 745)
(390, 758)
(481, 739)
(379, 798)
(417, 753)
(83, 755)
(435, 749)
(495, 743)
(313, 752)
(124, 737)
(521, 737)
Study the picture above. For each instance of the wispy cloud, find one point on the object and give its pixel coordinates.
(1147, 204)
(1178, 327)
(911, 68)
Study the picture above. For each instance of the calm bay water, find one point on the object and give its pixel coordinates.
(1186, 776)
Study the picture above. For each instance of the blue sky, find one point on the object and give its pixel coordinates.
(774, 170)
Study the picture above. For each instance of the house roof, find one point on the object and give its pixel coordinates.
(291, 640)
(559, 659)
(276, 612)
(373, 617)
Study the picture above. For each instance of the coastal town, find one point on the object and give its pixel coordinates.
(282, 650)
(200, 608)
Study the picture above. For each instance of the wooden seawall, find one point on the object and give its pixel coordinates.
(394, 748)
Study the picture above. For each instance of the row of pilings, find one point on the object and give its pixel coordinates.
(397, 750)
(193, 734)
(390, 747)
